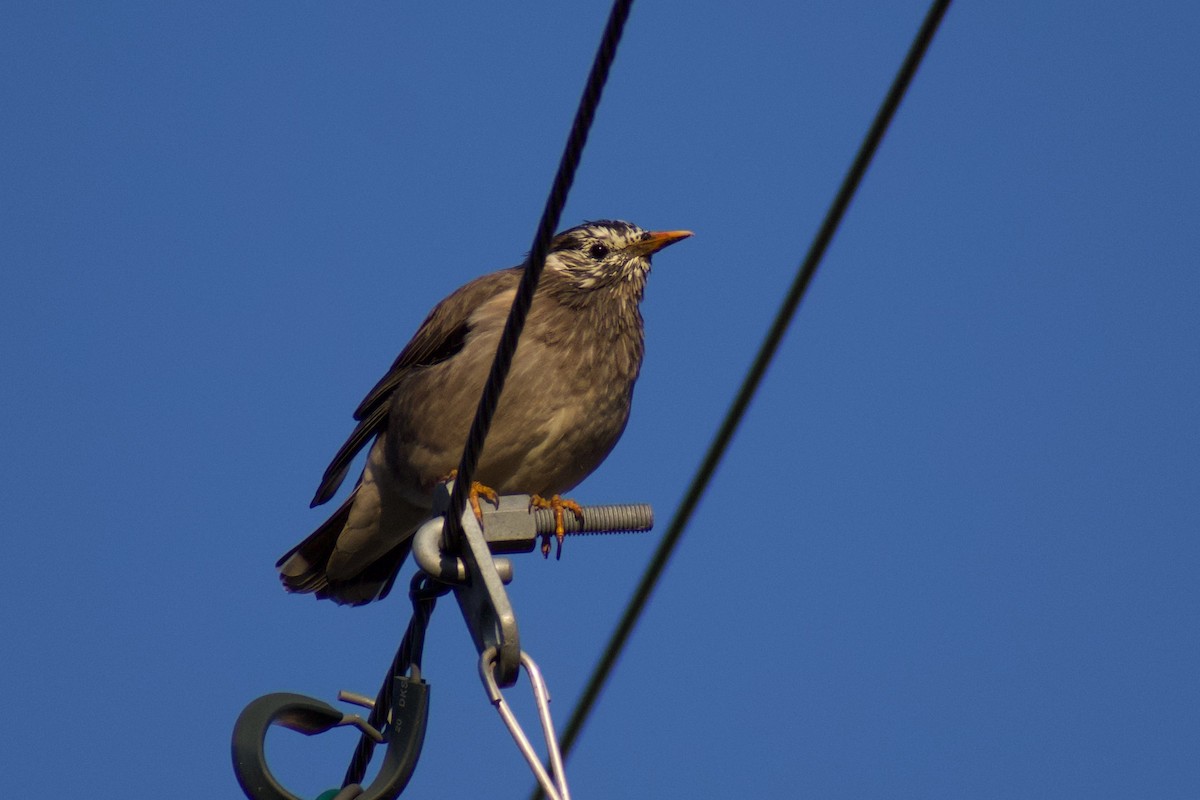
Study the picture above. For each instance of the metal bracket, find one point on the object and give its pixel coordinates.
(509, 527)
(485, 605)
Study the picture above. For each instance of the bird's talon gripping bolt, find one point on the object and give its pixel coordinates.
(559, 528)
(574, 508)
(558, 504)
(537, 501)
(486, 492)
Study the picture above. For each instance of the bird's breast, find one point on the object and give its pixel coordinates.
(564, 406)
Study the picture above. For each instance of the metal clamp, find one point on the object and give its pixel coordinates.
(509, 527)
(484, 603)
(512, 526)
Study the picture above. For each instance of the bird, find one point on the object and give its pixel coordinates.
(565, 404)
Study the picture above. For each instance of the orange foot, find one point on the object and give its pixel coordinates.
(558, 504)
(478, 490)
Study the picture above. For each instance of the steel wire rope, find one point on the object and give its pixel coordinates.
(737, 410)
(551, 213)
(424, 592)
(563, 179)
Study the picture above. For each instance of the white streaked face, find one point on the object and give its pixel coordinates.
(599, 254)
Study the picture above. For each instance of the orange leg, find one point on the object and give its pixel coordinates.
(478, 490)
(486, 492)
(558, 504)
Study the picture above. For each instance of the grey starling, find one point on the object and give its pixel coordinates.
(564, 405)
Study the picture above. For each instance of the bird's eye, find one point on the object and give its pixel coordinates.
(597, 251)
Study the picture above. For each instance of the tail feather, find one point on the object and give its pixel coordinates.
(373, 583)
(302, 569)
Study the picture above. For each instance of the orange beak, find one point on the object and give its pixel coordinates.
(657, 240)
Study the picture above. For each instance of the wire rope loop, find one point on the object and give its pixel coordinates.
(553, 783)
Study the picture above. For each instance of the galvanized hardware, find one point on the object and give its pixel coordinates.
(554, 783)
(478, 578)
(400, 714)
(484, 603)
(514, 527)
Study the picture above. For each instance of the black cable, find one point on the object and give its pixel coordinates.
(424, 592)
(537, 261)
(766, 352)
(563, 179)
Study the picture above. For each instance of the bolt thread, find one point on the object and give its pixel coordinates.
(629, 518)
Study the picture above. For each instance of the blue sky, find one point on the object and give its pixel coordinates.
(952, 552)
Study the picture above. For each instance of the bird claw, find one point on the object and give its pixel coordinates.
(477, 491)
(558, 505)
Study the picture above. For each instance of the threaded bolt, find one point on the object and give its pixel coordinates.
(627, 518)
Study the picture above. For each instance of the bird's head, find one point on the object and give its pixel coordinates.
(607, 253)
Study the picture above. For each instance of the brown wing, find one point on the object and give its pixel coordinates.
(440, 337)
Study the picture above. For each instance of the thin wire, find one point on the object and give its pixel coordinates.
(537, 261)
(750, 384)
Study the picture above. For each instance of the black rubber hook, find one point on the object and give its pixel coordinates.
(405, 735)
